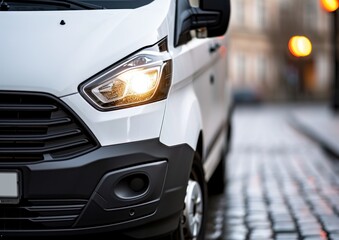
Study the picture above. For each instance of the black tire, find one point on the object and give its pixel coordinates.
(197, 175)
(217, 183)
(229, 137)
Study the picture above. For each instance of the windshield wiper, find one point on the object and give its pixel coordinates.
(68, 4)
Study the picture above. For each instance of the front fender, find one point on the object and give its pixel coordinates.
(182, 119)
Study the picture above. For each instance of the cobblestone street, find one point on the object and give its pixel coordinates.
(280, 184)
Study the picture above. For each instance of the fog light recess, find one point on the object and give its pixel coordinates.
(132, 186)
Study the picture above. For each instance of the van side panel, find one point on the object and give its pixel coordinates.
(209, 87)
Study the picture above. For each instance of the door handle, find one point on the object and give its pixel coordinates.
(212, 79)
(214, 48)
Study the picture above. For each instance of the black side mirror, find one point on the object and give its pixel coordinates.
(212, 16)
(223, 7)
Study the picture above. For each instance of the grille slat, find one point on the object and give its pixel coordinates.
(34, 126)
(39, 137)
(41, 214)
(53, 219)
(42, 219)
(33, 123)
(54, 208)
(27, 107)
(43, 149)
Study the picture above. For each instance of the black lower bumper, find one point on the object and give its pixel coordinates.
(137, 186)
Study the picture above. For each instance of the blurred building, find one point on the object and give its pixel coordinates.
(259, 58)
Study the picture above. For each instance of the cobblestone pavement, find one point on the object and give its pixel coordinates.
(280, 185)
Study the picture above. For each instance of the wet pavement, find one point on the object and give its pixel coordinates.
(321, 124)
(281, 185)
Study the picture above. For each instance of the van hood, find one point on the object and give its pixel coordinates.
(39, 53)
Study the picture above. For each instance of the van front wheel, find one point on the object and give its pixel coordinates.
(193, 219)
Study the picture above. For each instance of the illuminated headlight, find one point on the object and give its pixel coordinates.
(142, 78)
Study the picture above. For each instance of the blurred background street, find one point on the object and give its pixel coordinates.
(281, 184)
(283, 165)
(261, 64)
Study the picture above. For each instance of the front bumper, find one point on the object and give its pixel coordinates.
(90, 193)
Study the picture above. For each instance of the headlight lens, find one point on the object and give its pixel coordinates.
(142, 78)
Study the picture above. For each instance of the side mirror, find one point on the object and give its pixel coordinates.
(211, 19)
(223, 7)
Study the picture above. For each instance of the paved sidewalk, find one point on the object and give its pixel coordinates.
(320, 124)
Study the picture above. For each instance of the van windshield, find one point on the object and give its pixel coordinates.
(45, 5)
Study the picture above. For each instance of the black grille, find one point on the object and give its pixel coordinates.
(35, 127)
(34, 215)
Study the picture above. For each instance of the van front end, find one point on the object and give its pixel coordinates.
(75, 158)
(113, 116)
(69, 183)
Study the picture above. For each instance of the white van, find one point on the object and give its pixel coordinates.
(114, 114)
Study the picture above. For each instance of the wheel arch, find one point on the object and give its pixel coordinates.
(200, 145)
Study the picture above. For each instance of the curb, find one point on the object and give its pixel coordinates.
(314, 135)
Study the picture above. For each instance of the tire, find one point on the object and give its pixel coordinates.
(197, 192)
(229, 137)
(217, 183)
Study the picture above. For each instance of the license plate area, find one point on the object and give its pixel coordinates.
(10, 186)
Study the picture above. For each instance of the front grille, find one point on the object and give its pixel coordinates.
(35, 127)
(41, 214)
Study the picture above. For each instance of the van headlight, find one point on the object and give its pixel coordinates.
(144, 77)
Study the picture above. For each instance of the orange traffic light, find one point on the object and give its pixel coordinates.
(300, 46)
(330, 5)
